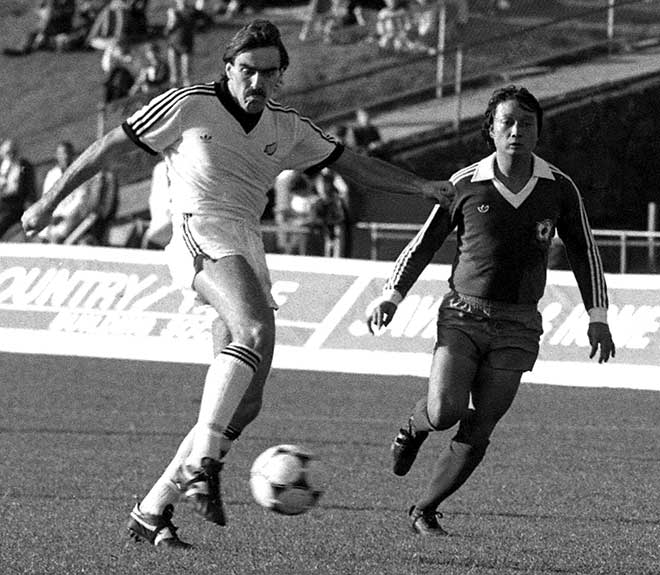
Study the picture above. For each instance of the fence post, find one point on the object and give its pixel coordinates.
(458, 87)
(610, 25)
(651, 227)
(623, 253)
(100, 119)
(373, 234)
(440, 60)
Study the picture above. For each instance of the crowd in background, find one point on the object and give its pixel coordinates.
(309, 213)
(394, 25)
(140, 57)
(114, 26)
(312, 211)
(82, 218)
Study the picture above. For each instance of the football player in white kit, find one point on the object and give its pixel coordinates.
(224, 143)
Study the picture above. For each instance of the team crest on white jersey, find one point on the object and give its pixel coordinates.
(483, 208)
(270, 149)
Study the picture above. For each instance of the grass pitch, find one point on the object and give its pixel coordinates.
(569, 484)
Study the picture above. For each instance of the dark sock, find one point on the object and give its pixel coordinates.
(455, 465)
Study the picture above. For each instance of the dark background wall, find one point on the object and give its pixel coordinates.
(608, 144)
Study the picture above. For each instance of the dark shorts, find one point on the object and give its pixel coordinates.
(503, 336)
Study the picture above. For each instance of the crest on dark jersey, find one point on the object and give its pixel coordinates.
(270, 149)
(545, 231)
(483, 208)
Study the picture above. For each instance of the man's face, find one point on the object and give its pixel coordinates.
(253, 77)
(63, 156)
(514, 130)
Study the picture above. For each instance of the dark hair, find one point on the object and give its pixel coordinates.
(256, 34)
(66, 144)
(512, 92)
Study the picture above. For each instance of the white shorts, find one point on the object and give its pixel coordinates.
(199, 236)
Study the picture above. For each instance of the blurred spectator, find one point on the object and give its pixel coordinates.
(211, 8)
(247, 7)
(331, 213)
(325, 19)
(356, 11)
(94, 231)
(119, 20)
(423, 32)
(119, 69)
(319, 16)
(363, 136)
(180, 34)
(111, 26)
(154, 75)
(159, 232)
(76, 207)
(392, 26)
(205, 12)
(87, 12)
(55, 17)
(137, 27)
(295, 200)
(17, 189)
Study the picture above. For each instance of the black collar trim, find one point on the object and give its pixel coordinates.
(246, 120)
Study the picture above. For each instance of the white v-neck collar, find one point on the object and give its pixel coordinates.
(486, 171)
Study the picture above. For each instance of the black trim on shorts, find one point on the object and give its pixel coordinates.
(191, 243)
(196, 252)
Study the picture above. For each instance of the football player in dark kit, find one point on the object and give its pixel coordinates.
(506, 211)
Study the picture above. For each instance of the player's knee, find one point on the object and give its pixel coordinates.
(445, 414)
(442, 419)
(257, 335)
(474, 432)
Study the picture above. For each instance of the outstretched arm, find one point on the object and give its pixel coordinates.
(102, 153)
(408, 266)
(376, 174)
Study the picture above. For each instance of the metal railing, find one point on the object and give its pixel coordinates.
(622, 240)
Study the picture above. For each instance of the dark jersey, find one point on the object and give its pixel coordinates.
(503, 238)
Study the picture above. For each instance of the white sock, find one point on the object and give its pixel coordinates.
(164, 490)
(227, 380)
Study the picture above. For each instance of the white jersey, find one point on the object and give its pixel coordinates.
(215, 166)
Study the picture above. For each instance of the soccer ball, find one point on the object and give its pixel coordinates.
(280, 480)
